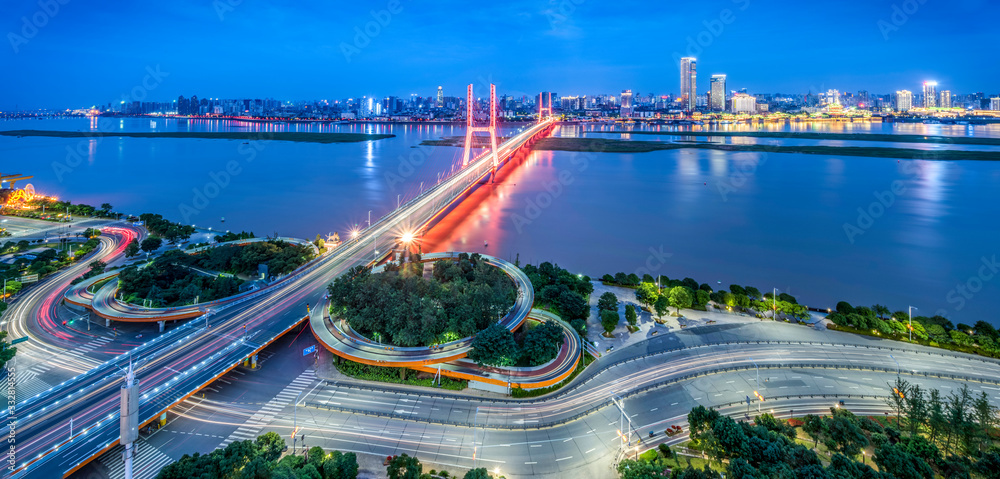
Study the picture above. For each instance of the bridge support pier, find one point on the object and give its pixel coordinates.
(107, 322)
(161, 323)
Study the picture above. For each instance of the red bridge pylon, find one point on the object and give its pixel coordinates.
(471, 128)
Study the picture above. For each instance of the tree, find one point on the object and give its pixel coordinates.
(630, 316)
(897, 397)
(647, 293)
(846, 436)
(632, 469)
(542, 343)
(936, 420)
(815, 427)
(479, 473)
(680, 298)
(105, 209)
(151, 244)
(609, 321)
(901, 464)
(956, 412)
(607, 302)
(404, 467)
(916, 409)
(132, 249)
(880, 311)
(985, 415)
(662, 306)
(494, 346)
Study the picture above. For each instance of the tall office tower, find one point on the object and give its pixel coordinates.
(718, 90)
(626, 104)
(945, 99)
(440, 102)
(688, 82)
(995, 104)
(904, 100)
(930, 94)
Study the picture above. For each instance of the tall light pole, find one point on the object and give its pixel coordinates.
(910, 310)
(774, 307)
(295, 419)
(369, 218)
(758, 383)
(897, 365)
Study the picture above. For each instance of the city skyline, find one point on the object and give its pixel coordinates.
(524, 47)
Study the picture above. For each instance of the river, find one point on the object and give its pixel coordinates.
(926, 233)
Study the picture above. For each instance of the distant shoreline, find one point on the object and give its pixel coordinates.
(199, 135)
(806, 135)
(600, 145)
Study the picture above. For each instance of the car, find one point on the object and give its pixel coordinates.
(609, 349)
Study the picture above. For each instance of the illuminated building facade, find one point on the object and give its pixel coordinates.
(930, 94)
(689, 94)
(904, 100)
(718, 92)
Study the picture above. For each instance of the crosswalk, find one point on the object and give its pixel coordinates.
(27, 384)
(90, 346)
(146, 463)
(252, 427)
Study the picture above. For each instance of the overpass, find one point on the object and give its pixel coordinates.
(60, 431)
(447, 359)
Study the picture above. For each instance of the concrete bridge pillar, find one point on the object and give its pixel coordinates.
(107, 322)
(161, 323)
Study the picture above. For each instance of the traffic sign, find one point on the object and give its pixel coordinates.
(28, 278)
(18, 340)
(309, 350)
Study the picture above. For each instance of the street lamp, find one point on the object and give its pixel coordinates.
(910, 310)
(897, 365)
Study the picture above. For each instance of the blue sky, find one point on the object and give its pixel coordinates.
(91, 52)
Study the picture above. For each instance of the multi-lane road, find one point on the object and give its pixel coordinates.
(575, 432)
(56, 436)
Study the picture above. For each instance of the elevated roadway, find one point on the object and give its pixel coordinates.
(179, 363)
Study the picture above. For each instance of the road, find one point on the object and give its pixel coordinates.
(177, 364)
(574, 432)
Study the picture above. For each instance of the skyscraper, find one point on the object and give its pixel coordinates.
(440, 102)
(930, 94)
(945, 99)
(904, 100)
(718, 90)
(688, 82)
(626, 104)
(995, 104)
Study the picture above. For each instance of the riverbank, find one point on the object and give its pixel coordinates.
(601, 145)
(324, 138)
(953, 140)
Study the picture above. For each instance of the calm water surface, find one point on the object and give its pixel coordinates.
(785, 221)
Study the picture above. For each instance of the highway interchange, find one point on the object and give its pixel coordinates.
(571, 432)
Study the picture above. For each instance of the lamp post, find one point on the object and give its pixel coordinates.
(897, 365)
(774, 307)
(910, 310)
(758, 383)
(295, 419)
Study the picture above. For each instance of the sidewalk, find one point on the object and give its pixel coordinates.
(647, 324)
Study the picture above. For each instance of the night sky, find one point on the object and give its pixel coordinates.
(93, 52)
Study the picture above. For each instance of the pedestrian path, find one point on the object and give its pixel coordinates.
(252, 427)
(146, 463)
